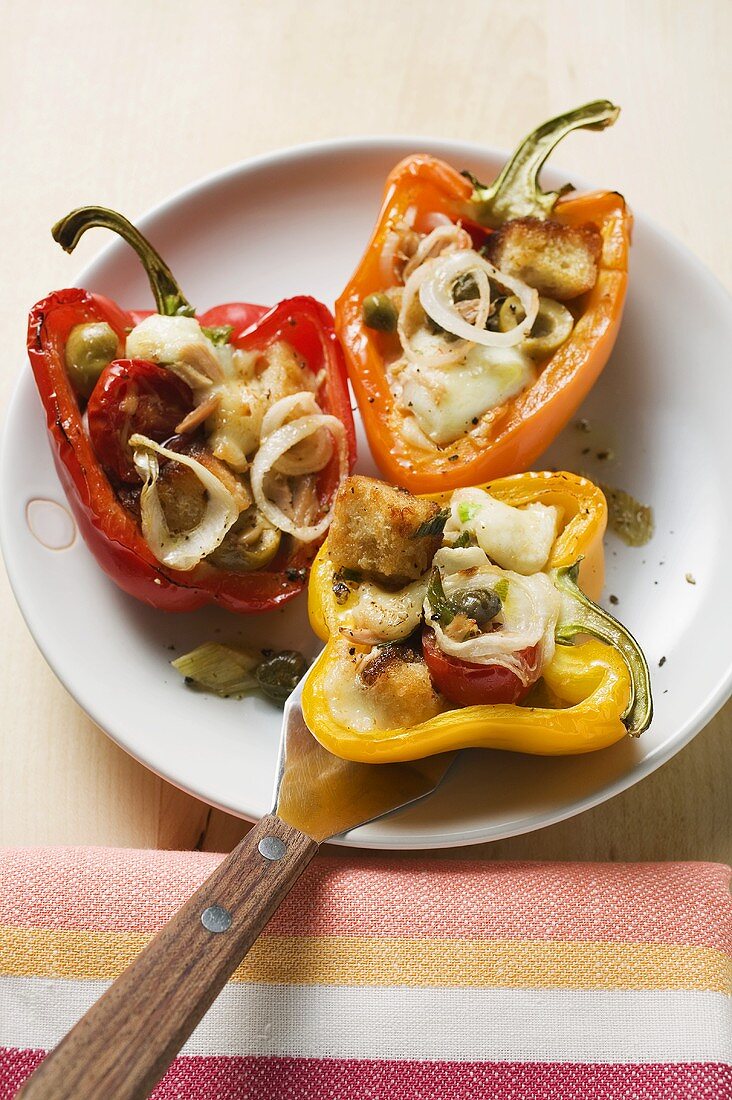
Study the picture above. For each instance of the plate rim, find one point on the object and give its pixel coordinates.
(273, 159)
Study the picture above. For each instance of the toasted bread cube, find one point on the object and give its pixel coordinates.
(560, 261)
(374, 528)
(398, 683)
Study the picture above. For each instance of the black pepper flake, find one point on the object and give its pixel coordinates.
(352, 650)
(586, 450)
(583, 425)
(296, 574)
(371, 400)
(662, 662)
(187, 679)
(604, 455)
(452, 458)
(614, 601)
(171, 648)
(474, 420)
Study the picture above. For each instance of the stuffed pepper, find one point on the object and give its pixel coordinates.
(200, 455)
(481, 316)
(466, 620)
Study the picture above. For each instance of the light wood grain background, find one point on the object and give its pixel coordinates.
(124, 102)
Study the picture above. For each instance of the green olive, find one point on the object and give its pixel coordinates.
(182, 497)
(551, 328)
(379, 312)
(89, 349)
(279, 674)
(250, 544)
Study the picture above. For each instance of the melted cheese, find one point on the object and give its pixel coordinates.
(372, 615)
(349, 702)
(516, 538)
(445, 400)
(254, 381)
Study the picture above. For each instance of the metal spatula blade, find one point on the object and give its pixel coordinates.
(324, 796)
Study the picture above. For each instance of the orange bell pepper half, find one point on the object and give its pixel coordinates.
(515, 433)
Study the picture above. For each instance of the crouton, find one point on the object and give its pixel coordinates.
(399, 686)
(374, 532)
(560, 261)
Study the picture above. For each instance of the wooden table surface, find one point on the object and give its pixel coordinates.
(124, 101)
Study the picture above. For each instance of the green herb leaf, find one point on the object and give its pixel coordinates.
(433, 526)
(438, 601)
(462, 540)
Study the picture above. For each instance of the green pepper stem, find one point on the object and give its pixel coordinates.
(582, 616)
(516, 193)
(169, 298)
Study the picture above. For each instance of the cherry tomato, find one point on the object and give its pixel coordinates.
(468, 684)
(133, 395)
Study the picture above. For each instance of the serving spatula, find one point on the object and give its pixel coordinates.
(126, 1041)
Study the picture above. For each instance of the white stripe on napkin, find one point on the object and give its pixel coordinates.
(400, 1022)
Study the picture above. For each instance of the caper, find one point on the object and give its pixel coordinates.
(551, 328)
(250, 544)
(279, 675)
(379, 312)
(465, 288)
(89, 349)
(479, 604)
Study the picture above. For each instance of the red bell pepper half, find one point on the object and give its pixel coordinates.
(111, 530)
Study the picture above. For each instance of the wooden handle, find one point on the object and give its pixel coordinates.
(123, 1045)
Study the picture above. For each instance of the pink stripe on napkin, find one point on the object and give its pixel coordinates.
(219, 1078)
(686, 903)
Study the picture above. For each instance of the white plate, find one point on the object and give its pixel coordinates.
(297, 222)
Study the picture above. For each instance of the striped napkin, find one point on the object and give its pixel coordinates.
(399, 979)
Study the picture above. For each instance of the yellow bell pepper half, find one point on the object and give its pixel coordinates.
(592, 693)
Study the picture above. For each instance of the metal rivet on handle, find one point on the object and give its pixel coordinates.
(271, 847)
(216, 919)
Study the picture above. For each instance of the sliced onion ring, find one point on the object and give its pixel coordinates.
(269, 454)
(312, 454)
(435, 295)
(184, 550)
(452, 353)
